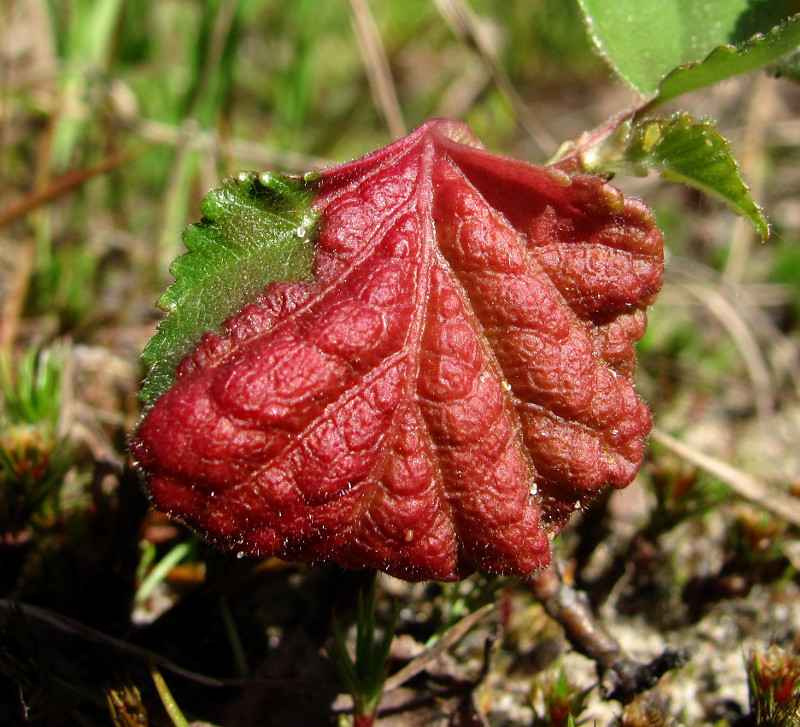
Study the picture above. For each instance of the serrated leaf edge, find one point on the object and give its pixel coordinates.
(756, 215)
(153, 352)
(739, 51)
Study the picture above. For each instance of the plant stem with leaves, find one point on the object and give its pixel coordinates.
(364, 675)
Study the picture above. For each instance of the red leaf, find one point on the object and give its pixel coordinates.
(452, 383)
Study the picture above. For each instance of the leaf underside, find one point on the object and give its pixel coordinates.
(452, 382)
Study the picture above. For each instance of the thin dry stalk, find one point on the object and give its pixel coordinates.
(727, 313)
(760, 493)
(752, 154)
(463, 22)
(223, 23)
(447, 640)
(377, 66)
(15, 300)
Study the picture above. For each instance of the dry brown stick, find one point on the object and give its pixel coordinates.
(621, 677)
(571, 609)
(63, 184)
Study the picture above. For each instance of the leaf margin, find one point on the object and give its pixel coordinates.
(643, 144)
(785, 37)
(218, 245)
(610, 29)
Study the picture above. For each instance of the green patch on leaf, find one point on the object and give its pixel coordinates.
(644, 40)
(727, 61)
(681, 150)
(256, 229)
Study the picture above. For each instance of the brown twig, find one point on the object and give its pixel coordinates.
(621, 677)
(63, 184)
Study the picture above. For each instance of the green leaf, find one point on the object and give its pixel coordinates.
(726, 61)
(644, 40)
(256, 229)
(682, 150)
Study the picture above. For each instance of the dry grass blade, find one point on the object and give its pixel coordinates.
(760, 111)
(417, 665)
(781, 351)
(727, 314)
(377, 66)
(243, 151)
(12, 306)
(758, 492)
(747, 312)
(448, 639)
(460, 17)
